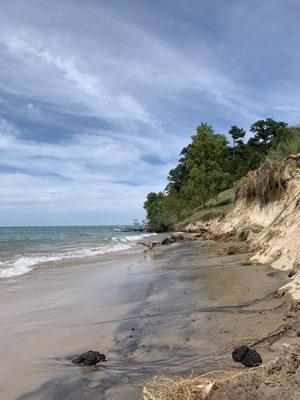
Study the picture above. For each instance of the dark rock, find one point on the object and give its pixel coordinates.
(239, 353)
(242, 236)
(89, 358)
(251, 359)
(292, 273)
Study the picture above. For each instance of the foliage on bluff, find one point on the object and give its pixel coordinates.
(209, 165)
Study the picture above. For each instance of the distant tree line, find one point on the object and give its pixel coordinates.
(209, 165)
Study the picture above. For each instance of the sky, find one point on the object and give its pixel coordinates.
(98, 97)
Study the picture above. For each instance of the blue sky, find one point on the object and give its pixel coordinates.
(97, 98)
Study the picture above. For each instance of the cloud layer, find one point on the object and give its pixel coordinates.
(98, 98)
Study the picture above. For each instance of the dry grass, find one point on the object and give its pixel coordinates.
(267, 183)
(195, 388)
(247, 384)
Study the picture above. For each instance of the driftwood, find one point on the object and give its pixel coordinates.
(273, 336)
(150, 245)
(167, 240)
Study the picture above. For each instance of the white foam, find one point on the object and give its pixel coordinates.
(25, 264)
(133, 238)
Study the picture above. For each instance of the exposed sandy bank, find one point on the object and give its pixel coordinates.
(273, 228)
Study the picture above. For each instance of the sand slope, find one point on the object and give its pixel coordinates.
(273, 228)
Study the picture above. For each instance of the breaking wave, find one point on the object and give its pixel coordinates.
(22, 264)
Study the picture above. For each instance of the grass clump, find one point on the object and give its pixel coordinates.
(178, 388)
(266, 183)
(291, 145)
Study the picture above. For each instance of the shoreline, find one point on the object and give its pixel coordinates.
(174, 312)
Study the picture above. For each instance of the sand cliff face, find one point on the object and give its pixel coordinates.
(272, 229)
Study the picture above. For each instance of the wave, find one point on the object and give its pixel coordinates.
(26, 263)
(133, 238)
(23, 265)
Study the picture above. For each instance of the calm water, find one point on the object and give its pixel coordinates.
(21, 249)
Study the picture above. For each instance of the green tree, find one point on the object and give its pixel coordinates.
(267, 133)
(177, 176)
(153, 206)
(208, 163)
(237, 134)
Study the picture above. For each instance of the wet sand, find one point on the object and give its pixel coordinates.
(175, 312)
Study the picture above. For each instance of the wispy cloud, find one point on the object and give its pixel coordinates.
(98, 98)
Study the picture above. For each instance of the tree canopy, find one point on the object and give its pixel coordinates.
(209, 165)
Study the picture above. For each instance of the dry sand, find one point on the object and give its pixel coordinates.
(174, 312)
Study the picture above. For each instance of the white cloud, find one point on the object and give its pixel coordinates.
(89, 173)
(41, 54)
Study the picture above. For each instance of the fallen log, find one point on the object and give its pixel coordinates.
(167, 240)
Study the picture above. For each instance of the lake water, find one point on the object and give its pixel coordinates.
(23, 248)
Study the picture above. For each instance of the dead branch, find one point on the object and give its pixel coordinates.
(281, 330)
(150, 245)
(166, 240)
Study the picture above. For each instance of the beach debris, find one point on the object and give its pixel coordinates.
(251, 359)
(89, 358)
(274, 336)
(224, 237)
(248, 357)
(205, 389)
(231, 250)
(201, 232)
(239, 353)
(167, 240)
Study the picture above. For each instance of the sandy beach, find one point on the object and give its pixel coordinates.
(178, 311)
